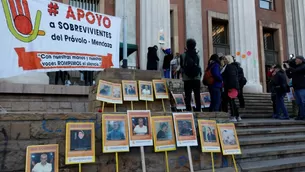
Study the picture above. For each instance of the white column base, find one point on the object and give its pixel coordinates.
(253, 88)
(29, 78)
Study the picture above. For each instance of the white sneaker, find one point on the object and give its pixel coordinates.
(233, 119)
(239, 119)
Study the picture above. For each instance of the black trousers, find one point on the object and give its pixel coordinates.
(273, 99)
(62, 75)
(189, 86)
(233, 107)
(241, 98)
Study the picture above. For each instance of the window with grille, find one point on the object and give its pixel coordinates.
(271, 54)
(269, 40)
(220, 37)
(91, 5)
(266, 4)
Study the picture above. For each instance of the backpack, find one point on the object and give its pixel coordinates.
(208, 78)
(190, 66)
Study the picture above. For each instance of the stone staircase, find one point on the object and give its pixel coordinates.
(271, 145)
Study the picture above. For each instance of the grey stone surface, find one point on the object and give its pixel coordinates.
(37, 106)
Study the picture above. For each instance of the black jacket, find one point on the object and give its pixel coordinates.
(230, 77)
(167, 61)
(152, 59)
(298, 76)
(241, 76)
(280, 82)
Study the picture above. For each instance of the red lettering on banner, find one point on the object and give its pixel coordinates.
(89, 16)
(70, 13)
(80, 14)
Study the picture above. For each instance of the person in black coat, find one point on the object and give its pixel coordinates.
(152, 58)
(281, 88)
(242, 82)
(230, 82)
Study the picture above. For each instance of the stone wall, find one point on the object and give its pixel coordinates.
(19, 130)
(43, 98)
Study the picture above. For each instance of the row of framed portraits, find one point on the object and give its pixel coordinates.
(205, 100)
(137, 128)
(132, 91)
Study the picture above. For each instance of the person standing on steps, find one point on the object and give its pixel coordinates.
(242, 82)
(191, 74)
(152, 58)
(281, 88)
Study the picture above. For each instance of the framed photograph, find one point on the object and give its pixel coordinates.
(179, 101)
(208, 136)
(115, 133)
(228, 139)
(130, 90)
(42, 158)
(160, 88)
(205, 99)
(117, 94)
(104, 91)
(164, 137)
(140, 133)
(146, 91)
(80, 143)
(185, 129)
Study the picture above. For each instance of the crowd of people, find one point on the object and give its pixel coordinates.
(225, 80)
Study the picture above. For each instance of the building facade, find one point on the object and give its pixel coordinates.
(259, 33)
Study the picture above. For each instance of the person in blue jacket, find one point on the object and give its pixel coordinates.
(215, 88)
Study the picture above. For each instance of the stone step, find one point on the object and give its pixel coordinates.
(229, 169)
(270, 157)
(271, 140)
(273, 165)
(255, 123)
(267, 131)
(270, 151)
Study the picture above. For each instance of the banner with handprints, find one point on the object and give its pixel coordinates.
(48, 36)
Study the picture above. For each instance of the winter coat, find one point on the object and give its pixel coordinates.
(241, 76)
(280, 82)
(230, 77)
(214, 67)
(298, 76)
(152, 59)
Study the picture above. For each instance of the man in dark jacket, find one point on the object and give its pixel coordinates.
(215, 87)
(242, 82)
(281, 87)
(152, 58)
(298, 82)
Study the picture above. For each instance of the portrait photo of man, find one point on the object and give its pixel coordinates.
(42, 162)
(105, 90)
(228, 137)
(164, 132)
(130, 89)
(185, 128)
(146, 90)
(209, 134)
(160, 88)
(116, 92)
(80, 140)
(140, 126)
(115, 130)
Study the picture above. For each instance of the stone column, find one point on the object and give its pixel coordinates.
(154, 16)
(243, 40)
(193, 23)
(131, 22)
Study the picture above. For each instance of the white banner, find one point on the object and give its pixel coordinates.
(49, 36)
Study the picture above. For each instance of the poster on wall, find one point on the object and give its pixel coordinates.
(104, 91)
(205, 99)
(146, 91)
(80, 143)
(130, 90)
(228, 139)
(161, 91)
(140, 132)
(179, 101)
(115, 133)
(49, 36)
(185, 129)
(42, 158)
(208, 136)
(163, 131)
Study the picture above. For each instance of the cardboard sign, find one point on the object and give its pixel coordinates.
(109, 92)
(115, 133)
(146, 91)
(117, 94)
(164, 136)
(140, 132)
(185, 129)
(161, 91)
(208, 136)
(48, 36)
(80, 143)
(179, 101)
(42, 158)
(130, 90)
(228, 139)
